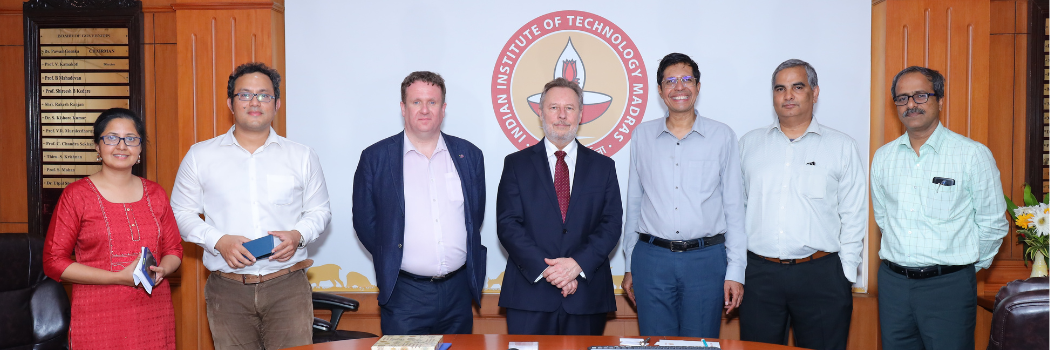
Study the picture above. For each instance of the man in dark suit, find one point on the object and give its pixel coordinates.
(558, 215)
(419, 200)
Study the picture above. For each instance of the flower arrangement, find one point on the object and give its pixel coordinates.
(1033, 224)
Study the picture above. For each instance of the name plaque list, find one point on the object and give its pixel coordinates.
(83, 72)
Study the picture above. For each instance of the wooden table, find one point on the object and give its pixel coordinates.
(546, 342)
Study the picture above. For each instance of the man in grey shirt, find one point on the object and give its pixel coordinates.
(684, 237)
(806, 215)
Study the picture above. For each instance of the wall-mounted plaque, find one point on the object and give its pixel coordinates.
(83, 51)
(81, 58)
(63, 143)
(84, 36)
(80, 90)
(85, 78)
(68, 117)
(85, 64)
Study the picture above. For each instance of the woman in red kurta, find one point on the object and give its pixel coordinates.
(106, 219)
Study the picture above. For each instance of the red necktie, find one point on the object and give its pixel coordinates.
(561, 183)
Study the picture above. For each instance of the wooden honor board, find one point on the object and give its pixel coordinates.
(82, 57)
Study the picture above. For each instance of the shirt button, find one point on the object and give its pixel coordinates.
(676, 187)
(129, 209)
(675, 164)
(132, 224)
(677, 231)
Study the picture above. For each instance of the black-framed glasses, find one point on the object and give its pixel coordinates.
(919, 98)
(113, 140)
(247, 96)
(670, 82)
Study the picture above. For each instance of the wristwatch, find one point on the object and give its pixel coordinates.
(302, 242)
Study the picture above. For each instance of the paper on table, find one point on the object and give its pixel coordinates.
(529, 345)
(668, 342)
(632, 342)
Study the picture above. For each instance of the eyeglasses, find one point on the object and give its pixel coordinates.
(672, 81)
(113, 140)
(247, 96)
(919, 98)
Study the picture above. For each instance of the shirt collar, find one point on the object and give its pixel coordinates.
(410, 147)
(570, 149)
(935, 141)
(228, 139)
(699, 126)
(813, 127)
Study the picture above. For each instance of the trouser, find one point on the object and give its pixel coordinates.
(557, 322)
(679, 293)
(275, 314)
(813, 296)
(418, 305)
(931, 313)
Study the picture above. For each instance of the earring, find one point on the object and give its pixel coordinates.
(98, 158)
(139, 160)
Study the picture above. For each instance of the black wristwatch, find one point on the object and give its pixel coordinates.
(302, 242)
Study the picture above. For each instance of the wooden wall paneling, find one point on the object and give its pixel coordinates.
(277, 34)
(13, 204)
(880, 98)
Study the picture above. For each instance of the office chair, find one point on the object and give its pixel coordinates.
(35, 308)
(327, 330)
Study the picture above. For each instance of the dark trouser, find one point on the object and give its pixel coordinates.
(422, 306)
(557, 322)
(275, 314)
(814, 296)
(931, 313)
(679, 293)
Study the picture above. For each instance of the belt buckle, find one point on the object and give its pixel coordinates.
(679, 246)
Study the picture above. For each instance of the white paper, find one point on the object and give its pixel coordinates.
(524, 345)
(668, 342)
(632, 342)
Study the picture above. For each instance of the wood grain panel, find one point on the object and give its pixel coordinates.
(11, 29)
(1002, 17)
(13, 194)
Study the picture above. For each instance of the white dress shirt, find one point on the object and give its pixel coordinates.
(804, 195)
(280, 187)
(435, 227)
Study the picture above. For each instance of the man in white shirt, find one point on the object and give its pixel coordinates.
(805, 218)
(251, 183)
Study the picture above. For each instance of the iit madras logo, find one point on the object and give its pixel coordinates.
(581, 47)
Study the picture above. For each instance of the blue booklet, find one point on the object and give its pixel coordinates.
(142, 274)
(261, 247)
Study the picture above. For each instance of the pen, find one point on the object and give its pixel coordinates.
(705, 342)
(646, 341)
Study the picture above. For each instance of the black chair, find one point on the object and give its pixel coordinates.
(1021, 315)
(327, 330)
(34, 309)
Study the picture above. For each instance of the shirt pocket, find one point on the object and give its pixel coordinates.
(940, 201)
(701, 176)
(812, 181)
(280, 189)
(453, 188)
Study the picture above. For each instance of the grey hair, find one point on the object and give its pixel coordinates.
(811, 74)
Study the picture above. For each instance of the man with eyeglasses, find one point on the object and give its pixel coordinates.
(419, 201)
(806, 218)
(251, 183)
(684, 238)
(939, 203)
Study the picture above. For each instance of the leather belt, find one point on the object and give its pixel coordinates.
(819, 254)
(256, 279)
(431, 278)
(682, 246)
(925, 271)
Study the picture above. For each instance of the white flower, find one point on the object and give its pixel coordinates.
(1024, 210)
(1041, 219)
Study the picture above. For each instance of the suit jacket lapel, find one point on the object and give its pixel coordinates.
(397, 168)
(543, 170)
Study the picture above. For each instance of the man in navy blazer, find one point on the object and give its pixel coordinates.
(558, 216)
(419, 200)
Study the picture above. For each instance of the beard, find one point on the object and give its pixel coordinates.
(555, 137)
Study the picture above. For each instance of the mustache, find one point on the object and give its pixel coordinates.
(915, 110)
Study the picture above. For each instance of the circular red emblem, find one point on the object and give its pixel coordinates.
(581, 47)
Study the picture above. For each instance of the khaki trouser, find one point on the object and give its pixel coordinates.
(275, 314)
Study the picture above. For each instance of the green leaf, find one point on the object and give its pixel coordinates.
(1046, 198)
(1029, 198)
(1010, 206)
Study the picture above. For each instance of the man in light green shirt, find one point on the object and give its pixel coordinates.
(939, 203)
